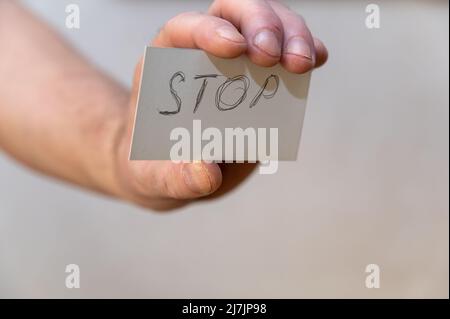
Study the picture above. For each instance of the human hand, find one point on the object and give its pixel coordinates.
(270, 33)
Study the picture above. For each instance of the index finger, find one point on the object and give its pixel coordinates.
(259, 24)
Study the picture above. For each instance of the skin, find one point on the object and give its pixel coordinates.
(61, 116)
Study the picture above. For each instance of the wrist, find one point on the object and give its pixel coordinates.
(103, 133)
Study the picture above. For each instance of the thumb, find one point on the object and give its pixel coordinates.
(155, 180)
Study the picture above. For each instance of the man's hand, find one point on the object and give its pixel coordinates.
(268, 32)
(63, 117)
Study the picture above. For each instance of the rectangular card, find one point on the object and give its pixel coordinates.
(195, 106)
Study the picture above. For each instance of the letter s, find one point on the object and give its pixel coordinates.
(174, 94)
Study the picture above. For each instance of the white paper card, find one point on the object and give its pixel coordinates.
(194, 106)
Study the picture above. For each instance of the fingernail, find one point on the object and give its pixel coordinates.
(197, 178)
(299, 46)
(230, 34)
(268, 42)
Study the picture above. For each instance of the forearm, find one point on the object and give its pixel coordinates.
(58, 114)
(61, 116)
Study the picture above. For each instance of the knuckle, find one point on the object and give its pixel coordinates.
(171, 178)
(174, 20)
(275, 24)
(169, 23)
(167, 188)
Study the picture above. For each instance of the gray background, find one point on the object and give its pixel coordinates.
(370, 185)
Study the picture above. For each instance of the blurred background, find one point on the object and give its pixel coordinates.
(370, 184)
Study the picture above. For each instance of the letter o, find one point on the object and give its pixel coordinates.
(246, 84)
